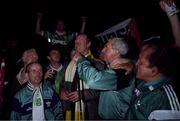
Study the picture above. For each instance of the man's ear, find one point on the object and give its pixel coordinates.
(117, 52)
(89, 44)
(26, 75)
(155, 71)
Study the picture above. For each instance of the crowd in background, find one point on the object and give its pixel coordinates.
(65, 75)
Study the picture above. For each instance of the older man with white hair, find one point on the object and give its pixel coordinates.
(110, 79)
(28, 56)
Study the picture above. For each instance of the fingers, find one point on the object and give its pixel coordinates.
(39, 14)
(168, 2)
(117, 64)
(162, 5)
(76, 56)
(126, 66)
(73, 96)
(24, 76)
(64, 95)
(48, 74)
(128, 72)
(169, 7)
(83, 18)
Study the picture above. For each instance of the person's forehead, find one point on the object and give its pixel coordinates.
(32, 53)
(60, 22)
(146, 52)
(35, 66)
(83, 36)
(54, 51)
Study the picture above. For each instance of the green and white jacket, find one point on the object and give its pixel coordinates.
(22, 104)
(153, 97)
(95, 79)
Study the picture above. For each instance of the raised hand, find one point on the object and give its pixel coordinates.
(39, 15)
(83, 18)
(64, 95)
(122, 64)
(168, 6)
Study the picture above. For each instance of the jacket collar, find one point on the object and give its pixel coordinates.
(32, 88)
(151, 85)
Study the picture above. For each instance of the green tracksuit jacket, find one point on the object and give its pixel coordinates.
(152, 96)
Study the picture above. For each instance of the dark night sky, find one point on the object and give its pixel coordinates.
(18, 17)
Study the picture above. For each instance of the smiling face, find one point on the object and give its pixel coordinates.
(30, 56)
(82, 44)
(60, 25)
(108, 53)
(144, 70)
(35, 74)
(54, 56)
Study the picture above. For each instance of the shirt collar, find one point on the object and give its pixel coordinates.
(32, 88)
(89, 55)
(60, 67)
(153, 84)
(60, 33)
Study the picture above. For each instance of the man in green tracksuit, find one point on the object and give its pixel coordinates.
(106, 80)
(155, 97)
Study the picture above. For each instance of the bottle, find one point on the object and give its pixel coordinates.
(53, 78)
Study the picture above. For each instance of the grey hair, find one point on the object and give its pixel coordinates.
(120, 45)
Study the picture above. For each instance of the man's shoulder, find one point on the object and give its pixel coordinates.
(22, 92)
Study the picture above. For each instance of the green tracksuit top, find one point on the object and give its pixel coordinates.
(152, 96)
(95, 79)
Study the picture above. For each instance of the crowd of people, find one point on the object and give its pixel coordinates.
(76, 84)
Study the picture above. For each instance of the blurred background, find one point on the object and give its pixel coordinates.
(18, 17)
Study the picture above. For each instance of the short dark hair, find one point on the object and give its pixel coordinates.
(53, 47)
(165, 58)
(87, 36)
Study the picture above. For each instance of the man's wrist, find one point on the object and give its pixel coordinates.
(171, 9)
